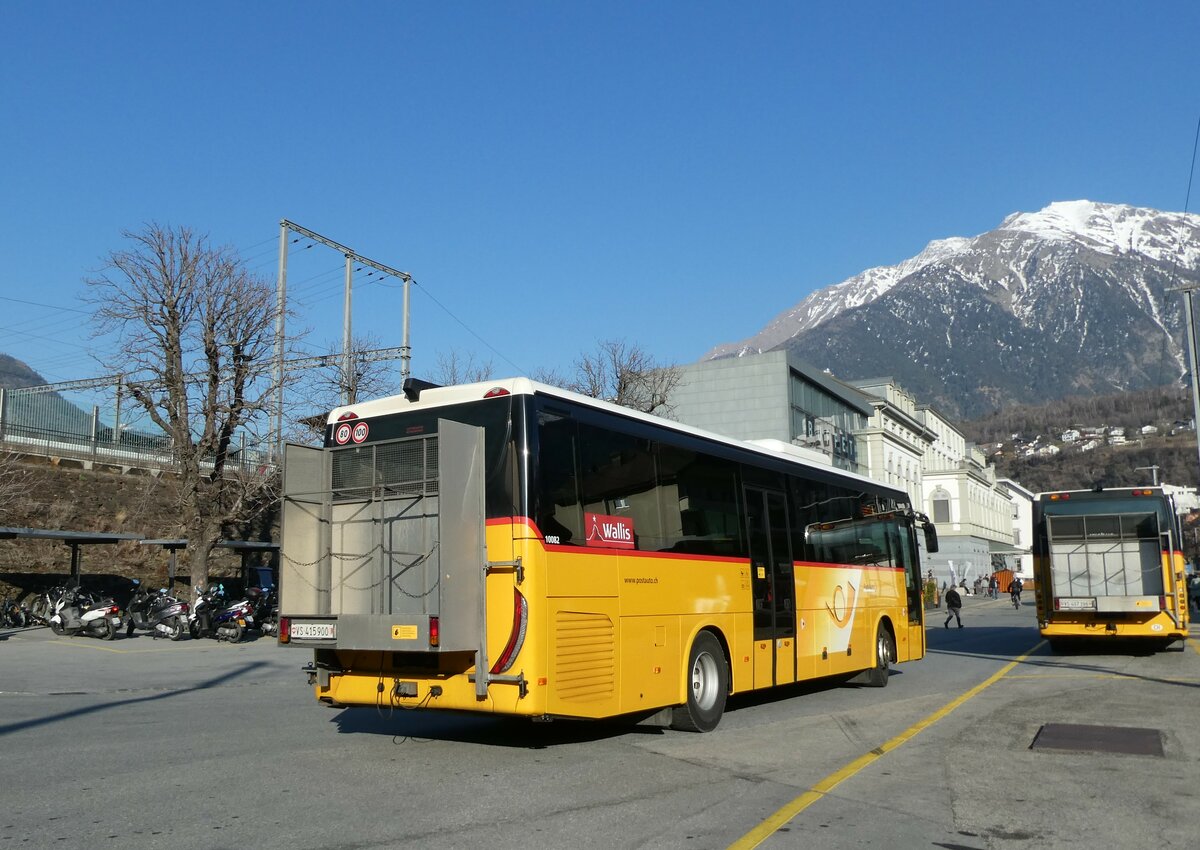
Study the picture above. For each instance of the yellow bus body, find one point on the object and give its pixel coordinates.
(609, 632)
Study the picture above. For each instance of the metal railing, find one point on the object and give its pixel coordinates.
(34, 421)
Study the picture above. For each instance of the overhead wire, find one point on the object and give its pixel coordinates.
(305, 292)
(467, 328)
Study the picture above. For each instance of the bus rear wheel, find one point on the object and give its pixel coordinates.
(708, 686)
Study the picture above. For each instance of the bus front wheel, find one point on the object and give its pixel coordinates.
(885, 654)
(708, 685)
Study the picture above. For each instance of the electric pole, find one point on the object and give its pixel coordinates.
(1191, 347)
(349, 390)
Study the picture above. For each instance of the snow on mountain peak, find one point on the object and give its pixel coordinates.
(1114, 229)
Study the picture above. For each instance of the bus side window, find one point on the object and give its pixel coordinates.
(617, 479)
(558, 514)
(698, 498)
(807, 498)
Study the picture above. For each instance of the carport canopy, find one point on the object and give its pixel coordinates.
(74, 539)
(174, 544)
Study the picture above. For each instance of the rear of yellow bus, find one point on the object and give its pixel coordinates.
(1107, 564)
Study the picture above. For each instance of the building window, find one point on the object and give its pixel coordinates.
(941, 506)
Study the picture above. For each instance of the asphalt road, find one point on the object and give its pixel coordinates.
(141, 743)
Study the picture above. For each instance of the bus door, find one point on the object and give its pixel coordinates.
(773, 583)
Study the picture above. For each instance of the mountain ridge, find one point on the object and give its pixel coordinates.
(1076, 298)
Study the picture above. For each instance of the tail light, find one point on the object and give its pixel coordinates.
(184, 607)
(496, 392)
(114, 609)
(1162, 603)
(285, 629)
(517, 638)
(435, 636)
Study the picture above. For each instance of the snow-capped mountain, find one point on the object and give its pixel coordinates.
(1073, 299)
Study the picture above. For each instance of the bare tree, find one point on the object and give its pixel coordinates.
(322, 386)
(625, 374)
(194, 333)
(454, 368)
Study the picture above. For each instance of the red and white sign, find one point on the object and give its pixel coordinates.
(341, 434)
(360, 432)
(613, 532)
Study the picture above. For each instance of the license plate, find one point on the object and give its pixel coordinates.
(1077, 604)
(116, 621)
(314, 631)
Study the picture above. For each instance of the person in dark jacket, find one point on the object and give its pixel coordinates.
(953, 608)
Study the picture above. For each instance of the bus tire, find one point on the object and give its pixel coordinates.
(707, 676)
(885, 654)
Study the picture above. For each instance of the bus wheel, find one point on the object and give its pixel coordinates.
(885, 654)
(708, 685)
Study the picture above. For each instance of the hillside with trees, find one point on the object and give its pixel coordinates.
(1025, 441)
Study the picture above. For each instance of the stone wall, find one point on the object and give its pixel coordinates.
(66, 497)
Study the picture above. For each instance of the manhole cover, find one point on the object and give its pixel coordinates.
(1099, 739)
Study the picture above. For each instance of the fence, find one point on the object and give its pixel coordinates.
(45, 421)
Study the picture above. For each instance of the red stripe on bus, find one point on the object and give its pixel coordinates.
(675, 556)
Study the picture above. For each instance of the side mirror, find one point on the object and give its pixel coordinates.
(931, 541)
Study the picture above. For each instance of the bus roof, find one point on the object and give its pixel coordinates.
(1107, 491)
(462, 393)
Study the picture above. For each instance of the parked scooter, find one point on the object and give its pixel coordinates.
(231, 622)
(158, 613)
(77, 612)
(212, 617)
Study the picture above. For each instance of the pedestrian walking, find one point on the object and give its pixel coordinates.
(953, 608)
(993, 586)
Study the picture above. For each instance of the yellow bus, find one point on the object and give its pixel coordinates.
(1108, 563)
(513, 548)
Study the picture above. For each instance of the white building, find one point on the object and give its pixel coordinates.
(973, 514)
(1022, 532)
(894, 446)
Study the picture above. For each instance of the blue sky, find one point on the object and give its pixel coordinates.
(555, 174)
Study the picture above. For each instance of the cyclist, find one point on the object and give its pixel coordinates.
(1014, 590)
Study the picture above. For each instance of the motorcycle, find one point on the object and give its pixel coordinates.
(264, 609)
(212, 617)
(77, 612)
(13, 614)
(44, 604)
(158, 613)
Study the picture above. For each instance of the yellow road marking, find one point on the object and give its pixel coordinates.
(1136, 676)
(773, 823)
